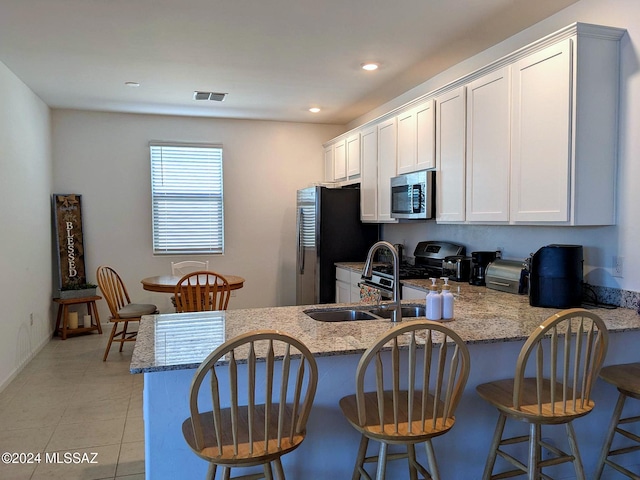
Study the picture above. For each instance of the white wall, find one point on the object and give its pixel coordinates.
(25, 219)
(105, 157)
(600, 243)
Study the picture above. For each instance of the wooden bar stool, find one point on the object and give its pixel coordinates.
(434, 366)
(261, 414)
(565, 352)
(626, 378)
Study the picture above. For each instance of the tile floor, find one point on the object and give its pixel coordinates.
(67, 402)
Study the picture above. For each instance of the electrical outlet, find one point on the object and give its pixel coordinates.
(31, 319)
(617, 266)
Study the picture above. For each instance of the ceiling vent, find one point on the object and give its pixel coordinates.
(215, 96)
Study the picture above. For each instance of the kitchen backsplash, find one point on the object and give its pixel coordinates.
(616, 296)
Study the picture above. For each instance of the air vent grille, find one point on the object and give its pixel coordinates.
(215, 96)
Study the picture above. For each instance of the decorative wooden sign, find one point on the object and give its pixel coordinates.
(67, 212)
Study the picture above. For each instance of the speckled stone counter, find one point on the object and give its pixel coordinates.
(494, 324)
(482, 315)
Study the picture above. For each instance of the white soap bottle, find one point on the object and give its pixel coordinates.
(434, 302)
(447, 301)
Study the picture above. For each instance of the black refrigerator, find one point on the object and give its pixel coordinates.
(329, 231)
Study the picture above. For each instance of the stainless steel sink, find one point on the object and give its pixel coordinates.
(350, 314)
(344, 315)
(408, 311)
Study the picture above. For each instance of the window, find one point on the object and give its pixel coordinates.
(187, 199)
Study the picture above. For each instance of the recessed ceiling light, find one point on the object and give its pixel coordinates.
(132, 84)
(314, 109)
(370, 67)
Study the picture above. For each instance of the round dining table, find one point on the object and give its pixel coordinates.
(167, 283)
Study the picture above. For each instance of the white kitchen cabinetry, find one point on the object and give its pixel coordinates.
(347, 285)
(416, 138)
(450, 156)
(488, 148)
(542, 135)
(564, 135)
(369, 177)
(340, 160)
(355, 286)
(378, 154)
(343, 285)
(387, 145)
(353, 155)
(410, 293)
(529, 139)
(328, 164)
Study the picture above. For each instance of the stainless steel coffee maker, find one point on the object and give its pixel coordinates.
(479, 262)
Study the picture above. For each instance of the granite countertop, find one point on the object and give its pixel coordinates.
(183, 341)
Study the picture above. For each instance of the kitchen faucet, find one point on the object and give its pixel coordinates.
(367, 271)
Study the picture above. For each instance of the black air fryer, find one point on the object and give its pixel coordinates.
(555, 277)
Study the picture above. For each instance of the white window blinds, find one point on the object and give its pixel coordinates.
(187, 199)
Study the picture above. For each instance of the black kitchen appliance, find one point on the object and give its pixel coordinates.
(479, 262)
(457, 268)
(555, 276)
(329, 231)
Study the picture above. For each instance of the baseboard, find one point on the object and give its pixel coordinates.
(21, 367)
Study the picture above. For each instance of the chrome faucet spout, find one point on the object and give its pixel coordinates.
(367, 272)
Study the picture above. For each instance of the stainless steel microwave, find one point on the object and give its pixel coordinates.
(413, 195)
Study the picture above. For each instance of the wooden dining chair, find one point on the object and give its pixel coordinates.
(432, 362)
(258, 410)
(122, 310)
(626, 378)
(565, 354)
(202, 291)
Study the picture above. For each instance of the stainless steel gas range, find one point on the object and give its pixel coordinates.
(429, 257)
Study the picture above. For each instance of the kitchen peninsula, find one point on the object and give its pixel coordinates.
(494, 325)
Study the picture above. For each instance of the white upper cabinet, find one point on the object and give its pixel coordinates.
(450, 156)
(416, 138)
(369, 177)
(488, 148)
(328, 164)
(353, 155)
(529, 139)
(340, 160)
(387, 151)
(542, 135)
(564, 137)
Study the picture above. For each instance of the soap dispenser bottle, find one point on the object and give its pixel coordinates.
(434, 302)
(447, 301)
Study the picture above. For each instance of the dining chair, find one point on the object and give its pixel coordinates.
(202, 291)
(182, 268)
(188, 266)
(261, 387)
(626, 378)
(122, 310)
(432, 362)
(564, 354)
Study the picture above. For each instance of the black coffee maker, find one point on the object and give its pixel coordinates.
(479, 262)
(555, 276)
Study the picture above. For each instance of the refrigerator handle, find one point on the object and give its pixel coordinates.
(300, 248)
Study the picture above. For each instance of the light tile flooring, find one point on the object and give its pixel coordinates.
(67, 400)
